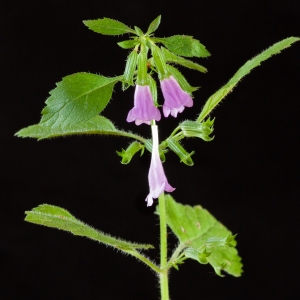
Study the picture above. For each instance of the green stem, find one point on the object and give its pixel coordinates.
(163, 276)
(144, 260)
(177, 252)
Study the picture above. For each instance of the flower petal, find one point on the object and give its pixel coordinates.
(175, 98)
(144, 109)
(156, 177)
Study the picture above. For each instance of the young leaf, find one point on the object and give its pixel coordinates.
(57, 217)
(138, 31)
(184, 45)
(216, 98)
(96, 125)
(108, 26)
(172, 58)
(128, 44)
(154, 25)
(77, 98)
(195, 227)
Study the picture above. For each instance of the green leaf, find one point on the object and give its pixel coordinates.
(219, 95)
(108, 26)
(128, 44)
(57, 217)
(181, 80)
(96, 125)
(195, 227)
(172, 58)
(77, 98)
(138, 31)
(184, 45)
(154, 25)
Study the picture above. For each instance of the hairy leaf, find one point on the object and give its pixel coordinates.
(108, 26)
(128, 44)
(184, 45)
(57, 217)
(195, 228)
(154, 25)
(219, 95)
(172, 58)
(77, 98)
(96, 125)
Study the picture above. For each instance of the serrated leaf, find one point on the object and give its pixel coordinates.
(96, 125)
(194, 226)
(108, 26)
(172, 58)
(219, 95)
(128, 44)
(77, 98)
(57, 217)
(184, 45)
(154, 25)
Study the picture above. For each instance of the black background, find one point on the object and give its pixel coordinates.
(248, 177)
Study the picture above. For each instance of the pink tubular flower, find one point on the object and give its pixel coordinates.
(157, 178)
(175, 98)
(144, 109)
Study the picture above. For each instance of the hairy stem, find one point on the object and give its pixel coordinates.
(163, 276)
(144, 260)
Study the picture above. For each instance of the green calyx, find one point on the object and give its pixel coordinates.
(130, 69)
(128, 154)
(176, 147)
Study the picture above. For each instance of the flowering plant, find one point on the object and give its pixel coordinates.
(75, 107)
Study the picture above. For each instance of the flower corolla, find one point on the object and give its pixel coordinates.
(175, 98)
(157, 178)
(144, 109)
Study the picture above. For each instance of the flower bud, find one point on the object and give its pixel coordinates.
(130, 68)
(196, 129)
(128, 154)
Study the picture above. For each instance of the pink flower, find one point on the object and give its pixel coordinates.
(175, 98)
(144, 109)
(157, 178)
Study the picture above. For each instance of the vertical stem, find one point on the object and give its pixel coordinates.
(163, 276)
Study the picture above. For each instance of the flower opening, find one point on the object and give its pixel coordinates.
(144, 109)
(175, 98)
(157, 178)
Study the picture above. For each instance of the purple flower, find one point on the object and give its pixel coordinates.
(175, 98)
(157, 178)
(144, 109)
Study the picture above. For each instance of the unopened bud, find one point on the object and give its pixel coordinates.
(128, 154)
